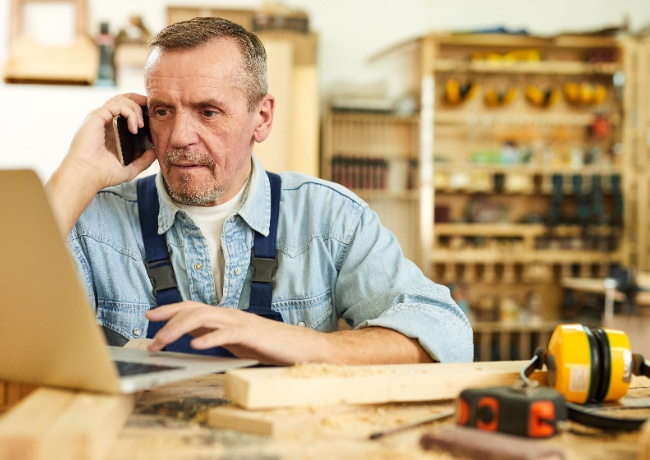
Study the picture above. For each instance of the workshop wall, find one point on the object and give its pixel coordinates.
(350, 34)
(352, 31)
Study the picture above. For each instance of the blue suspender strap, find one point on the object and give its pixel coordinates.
(159, 267)
(264, 259)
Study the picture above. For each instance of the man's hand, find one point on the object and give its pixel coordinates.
(250, 336)
(91, 163)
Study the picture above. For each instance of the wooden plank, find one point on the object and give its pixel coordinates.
(323, 384)
(271, 422)
(52, 423)
(13, 393)
(89, 425)
(21, 427)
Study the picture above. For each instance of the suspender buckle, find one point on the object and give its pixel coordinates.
(264, 269)
(161, 274)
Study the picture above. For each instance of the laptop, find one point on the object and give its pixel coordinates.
(48, 331)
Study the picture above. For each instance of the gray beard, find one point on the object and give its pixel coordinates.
(198, 199)
(194, 195)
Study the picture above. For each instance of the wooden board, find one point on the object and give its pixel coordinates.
(52, 423)
(11, 393)
(271, 422)
(323, 384)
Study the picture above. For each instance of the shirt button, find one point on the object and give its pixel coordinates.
(237, 271)
(198, 266)
(137, 331)
(233, 219)
(301, 323)
(181, 215)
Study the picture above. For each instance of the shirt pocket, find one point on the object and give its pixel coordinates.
(313, 312)
(125, 318)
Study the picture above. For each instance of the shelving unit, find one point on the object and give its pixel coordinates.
(642, 136)
(528, 178)
(529, 165)
(376, 156)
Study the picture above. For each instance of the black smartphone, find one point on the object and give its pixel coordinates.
(131, 146)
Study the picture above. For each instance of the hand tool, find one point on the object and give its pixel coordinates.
(406, 426)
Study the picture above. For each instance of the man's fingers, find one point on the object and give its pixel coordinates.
(183, 321)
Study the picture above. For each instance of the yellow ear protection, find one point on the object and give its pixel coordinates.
(541, 97)
(591, 366)
(585, 93)
(455, 93)
(496, 98)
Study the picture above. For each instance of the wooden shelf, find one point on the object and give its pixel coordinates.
(522, 230)
(526, 67)
(367, 195)
(473, 119)
(382, 118)
(495, 256)
(523, 41)
(487, 327)
(604, 170)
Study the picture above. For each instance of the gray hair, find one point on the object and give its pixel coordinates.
(198, 32)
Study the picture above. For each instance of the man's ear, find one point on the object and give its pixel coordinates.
(265, 118)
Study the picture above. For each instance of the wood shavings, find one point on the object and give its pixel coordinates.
(315, 370)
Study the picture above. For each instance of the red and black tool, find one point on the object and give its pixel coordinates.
(531, 412)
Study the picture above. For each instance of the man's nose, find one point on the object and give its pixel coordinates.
(183, 130)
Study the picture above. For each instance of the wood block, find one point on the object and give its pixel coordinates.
(52, 423)
(271, 422)
(323, 384)
(13, 393)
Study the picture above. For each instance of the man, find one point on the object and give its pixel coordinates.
(208, 105)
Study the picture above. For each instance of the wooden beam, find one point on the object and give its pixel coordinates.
(52, 423)
(323, 384)
(272, 422)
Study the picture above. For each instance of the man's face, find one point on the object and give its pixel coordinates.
(202, 129)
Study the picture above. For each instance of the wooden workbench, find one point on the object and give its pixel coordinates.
(169, 423)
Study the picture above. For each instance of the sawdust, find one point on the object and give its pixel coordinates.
(316, 370)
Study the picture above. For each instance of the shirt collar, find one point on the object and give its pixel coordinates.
(255, 209)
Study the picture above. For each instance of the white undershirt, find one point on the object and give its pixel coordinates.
(210, 220)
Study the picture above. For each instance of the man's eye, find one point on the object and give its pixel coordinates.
(209, 113)
(160, 112)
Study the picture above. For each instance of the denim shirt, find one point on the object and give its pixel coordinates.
(335, 261)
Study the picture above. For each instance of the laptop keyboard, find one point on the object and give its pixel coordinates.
(126, 368)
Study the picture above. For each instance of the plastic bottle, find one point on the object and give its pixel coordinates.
(106, 45)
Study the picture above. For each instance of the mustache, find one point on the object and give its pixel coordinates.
(181, 155)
